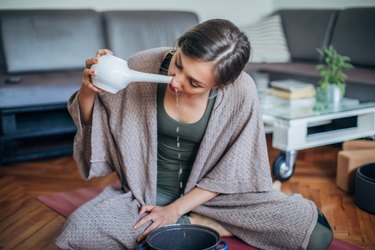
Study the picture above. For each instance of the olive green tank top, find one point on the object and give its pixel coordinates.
(178, 144)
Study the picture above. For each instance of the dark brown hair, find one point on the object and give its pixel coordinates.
(220, 41)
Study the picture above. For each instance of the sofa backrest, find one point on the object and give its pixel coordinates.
(354, 35)
(306, 30)
(128, 32)
(48, 40)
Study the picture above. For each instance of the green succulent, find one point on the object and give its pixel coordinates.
(332, 71)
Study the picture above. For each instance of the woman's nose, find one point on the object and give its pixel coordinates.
(176, 82)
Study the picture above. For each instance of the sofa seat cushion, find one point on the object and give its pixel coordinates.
(39, 89)
(292, 68)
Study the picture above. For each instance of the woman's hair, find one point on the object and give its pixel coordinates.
(220, 41)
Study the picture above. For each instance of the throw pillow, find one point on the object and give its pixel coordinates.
(268, 42)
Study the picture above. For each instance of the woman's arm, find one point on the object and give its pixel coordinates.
(191, 200)
(87, 92)
(169, 214)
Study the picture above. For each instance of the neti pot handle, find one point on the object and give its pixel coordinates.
(222, 245)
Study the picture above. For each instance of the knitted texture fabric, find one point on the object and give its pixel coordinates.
(232, 160)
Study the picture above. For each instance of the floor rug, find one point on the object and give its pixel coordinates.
(65, 203)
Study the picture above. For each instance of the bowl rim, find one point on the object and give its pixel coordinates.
(362, 175)
(167, 228)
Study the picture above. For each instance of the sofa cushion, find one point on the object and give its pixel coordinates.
(39, 89)
(49, 40)
(132, 31)
(267, 39)
(306, 30)
(354, 35)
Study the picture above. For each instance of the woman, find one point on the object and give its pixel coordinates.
(192, 151)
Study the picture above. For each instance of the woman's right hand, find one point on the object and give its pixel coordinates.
(88, 91)
(88, 73)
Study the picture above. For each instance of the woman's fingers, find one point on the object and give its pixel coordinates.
(102, 52)
(94, 60)
(145, 209)
(88, 73)
(86, 79)
(143, 235)
(143, 220)
(91, 61)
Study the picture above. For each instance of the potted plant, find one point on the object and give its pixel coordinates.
(332, 76)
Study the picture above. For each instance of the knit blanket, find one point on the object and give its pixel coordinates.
(232, 160)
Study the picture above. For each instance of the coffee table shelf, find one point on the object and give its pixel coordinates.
(297, 127)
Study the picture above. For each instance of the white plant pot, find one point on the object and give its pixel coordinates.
(334, 94)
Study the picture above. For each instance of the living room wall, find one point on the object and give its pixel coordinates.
(242, 12)
(320, 4)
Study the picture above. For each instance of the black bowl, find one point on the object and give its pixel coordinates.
(365, 187)
(183, 237)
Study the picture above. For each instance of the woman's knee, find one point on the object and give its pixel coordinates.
(208, 222)
(81, 231)
(322, 235)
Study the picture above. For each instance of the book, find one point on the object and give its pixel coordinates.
(291, 85)
(292, 95)
(292, 89)
(270, 101)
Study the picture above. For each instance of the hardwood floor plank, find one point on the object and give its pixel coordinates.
(29, 208)
(10, 207)
(31, 225)
(42, 238)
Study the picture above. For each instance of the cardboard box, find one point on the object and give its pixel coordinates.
(347, 164)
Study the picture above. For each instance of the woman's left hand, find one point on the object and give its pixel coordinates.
(159, 216)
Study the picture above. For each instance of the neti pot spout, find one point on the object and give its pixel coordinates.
(113, 74)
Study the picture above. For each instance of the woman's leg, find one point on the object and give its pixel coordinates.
(208, 222)
(322, 235)
(103, 223)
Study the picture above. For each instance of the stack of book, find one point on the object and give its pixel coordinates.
(292, 89)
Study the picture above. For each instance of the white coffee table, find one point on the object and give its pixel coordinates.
(306, 124)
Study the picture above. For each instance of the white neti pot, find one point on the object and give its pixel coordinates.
(113, 74)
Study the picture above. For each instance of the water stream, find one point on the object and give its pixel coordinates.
(178, 141)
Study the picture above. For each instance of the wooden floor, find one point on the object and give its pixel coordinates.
(25, 223)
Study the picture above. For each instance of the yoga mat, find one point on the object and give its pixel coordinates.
(65, 203)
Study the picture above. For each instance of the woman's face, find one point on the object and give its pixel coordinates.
(191, 77)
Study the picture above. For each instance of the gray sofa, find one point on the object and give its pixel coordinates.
(350, 31)
(42, 55)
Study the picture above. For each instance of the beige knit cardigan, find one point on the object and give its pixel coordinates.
(232, 160)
